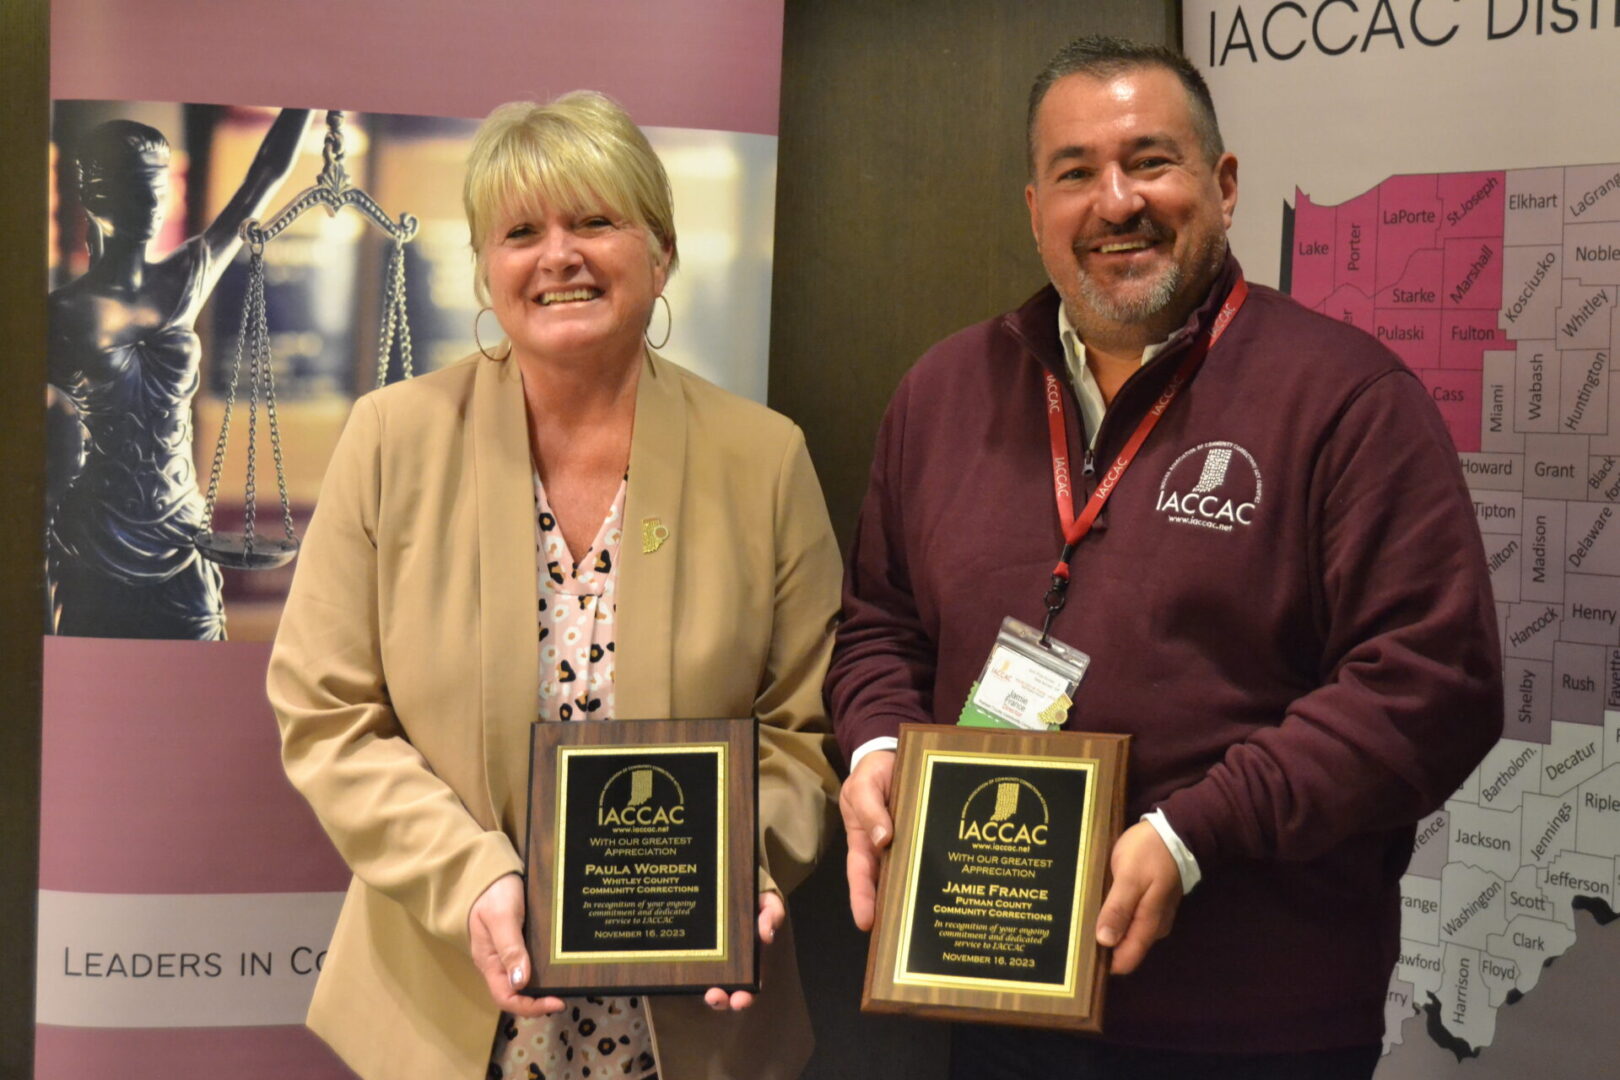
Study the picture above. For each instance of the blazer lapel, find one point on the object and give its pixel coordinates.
(508, 591)
(651, 549)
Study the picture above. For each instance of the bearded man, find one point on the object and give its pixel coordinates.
(1284, 598)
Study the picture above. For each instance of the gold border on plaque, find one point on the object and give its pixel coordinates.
(903, 975)
(722, 950)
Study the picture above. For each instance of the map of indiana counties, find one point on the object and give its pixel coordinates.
(1499, 290)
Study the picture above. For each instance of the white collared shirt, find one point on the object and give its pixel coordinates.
(1092, 406)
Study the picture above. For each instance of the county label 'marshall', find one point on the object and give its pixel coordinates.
(994, 896)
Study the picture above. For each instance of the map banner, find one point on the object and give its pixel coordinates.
(1438, 175)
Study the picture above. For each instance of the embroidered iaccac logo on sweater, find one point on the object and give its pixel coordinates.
(1215, 485)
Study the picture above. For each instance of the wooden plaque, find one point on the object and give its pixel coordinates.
(642, 853)
(987, 907)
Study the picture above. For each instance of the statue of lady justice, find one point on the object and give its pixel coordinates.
(123, 350)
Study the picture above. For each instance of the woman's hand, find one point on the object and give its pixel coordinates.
(495, 924)
(771, 914)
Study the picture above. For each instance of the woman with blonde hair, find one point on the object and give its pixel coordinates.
(470, 512)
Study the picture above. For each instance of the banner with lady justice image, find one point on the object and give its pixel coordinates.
(199, 376)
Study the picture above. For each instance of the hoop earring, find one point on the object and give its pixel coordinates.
(669, 325)
(479, 343)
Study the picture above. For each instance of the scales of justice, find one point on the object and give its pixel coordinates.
(246, 550)
(133, 548)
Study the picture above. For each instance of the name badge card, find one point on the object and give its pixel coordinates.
(1026, 683)
(987, 907)
(641, 858)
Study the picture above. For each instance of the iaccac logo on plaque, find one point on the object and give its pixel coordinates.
(627, 800)
(1004, 824)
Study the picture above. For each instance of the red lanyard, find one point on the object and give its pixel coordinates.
(1076, 528)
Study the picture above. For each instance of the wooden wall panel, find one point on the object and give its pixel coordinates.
(24, 132)
(900, 195)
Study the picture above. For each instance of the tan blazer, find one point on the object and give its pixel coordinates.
(405, 677)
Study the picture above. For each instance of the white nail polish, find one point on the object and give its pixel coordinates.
(517, 977)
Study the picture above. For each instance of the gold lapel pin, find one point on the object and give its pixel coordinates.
(653, 534)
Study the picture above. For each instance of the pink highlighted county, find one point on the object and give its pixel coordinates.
(1474, 204)
(1414, 336)
(1351, 306)
(1312, 258)
(1409, 211)
(1472, 277)
(1419, 284)
(1457, 395)
(1355, 261)
(1466, 335)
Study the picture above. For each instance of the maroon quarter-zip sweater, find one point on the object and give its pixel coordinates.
(1286, 604)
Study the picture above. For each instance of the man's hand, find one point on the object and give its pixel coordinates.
(495, 924)
(771, 914)
(864, 802)
(1141, 905)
